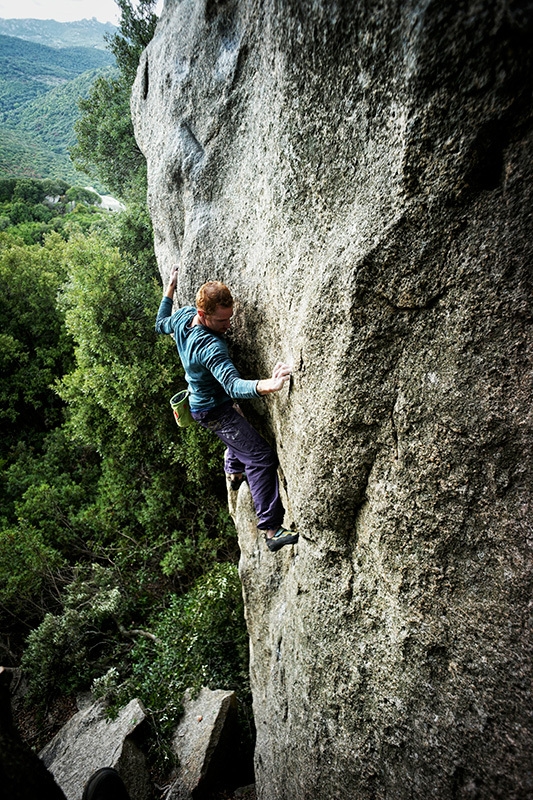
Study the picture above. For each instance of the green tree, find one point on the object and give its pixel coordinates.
(78, 195)
(136, 31)
(7, 187)
(119, 485)
(54, 187)
(28, 190)
(35, 351)
(106, 144)
(35, 347)
(199, 639)
(118, 399)
(45, 481)
(70, 648)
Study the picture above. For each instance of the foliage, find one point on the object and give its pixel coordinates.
(69, 649)
(54, 187)
(53, 490)
(38, 498)
(198, 640)
(123, 380)
(76, 194)
(137, 28)
(106, 144)
(118, 366)
(35, 347)
(28, 191)
(43, 480)
(117, 485)
(7, 187)
(27, 564)
(32, 208)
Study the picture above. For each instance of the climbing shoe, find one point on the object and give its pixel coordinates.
(236, 482)
(281, 538)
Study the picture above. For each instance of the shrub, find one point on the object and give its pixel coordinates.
(67, 650)
(200, 640)
(27, 563)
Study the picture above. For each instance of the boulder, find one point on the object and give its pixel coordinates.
(361, 176)
(206, 744)
(90, 741)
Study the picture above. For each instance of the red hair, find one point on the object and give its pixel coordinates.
(211, 295)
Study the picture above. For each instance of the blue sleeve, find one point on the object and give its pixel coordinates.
(223, 369)
(166, 321)
(163, 321)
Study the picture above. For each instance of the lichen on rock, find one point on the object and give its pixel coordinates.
(360, 175)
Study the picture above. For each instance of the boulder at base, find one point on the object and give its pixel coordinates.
(89, 741)
(207, 745)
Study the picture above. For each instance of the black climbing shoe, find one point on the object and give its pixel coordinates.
(236, 482)
(105, 784)
(281, 538)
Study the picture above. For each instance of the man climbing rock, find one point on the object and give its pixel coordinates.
(214, 384)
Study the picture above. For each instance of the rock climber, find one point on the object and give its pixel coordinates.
(214, 384)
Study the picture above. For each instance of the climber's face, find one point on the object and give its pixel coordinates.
(219, 321)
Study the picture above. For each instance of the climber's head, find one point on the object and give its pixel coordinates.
(214, 305)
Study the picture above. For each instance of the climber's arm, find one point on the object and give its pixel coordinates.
(172, 283)
(165, 319)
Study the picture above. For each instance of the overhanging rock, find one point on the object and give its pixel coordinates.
(360, 174)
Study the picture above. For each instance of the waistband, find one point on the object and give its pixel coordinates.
(209, 414)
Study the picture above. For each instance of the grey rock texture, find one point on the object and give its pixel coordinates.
(90, 741)
(360, 174)
(205, 744)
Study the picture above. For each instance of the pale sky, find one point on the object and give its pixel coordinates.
(64, 10)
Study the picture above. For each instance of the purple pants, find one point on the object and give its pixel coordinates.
(248, 452)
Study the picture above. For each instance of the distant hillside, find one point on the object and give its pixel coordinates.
(84, 33)
(39, 91)
(50, 118)
(21, 157)
(28, 69)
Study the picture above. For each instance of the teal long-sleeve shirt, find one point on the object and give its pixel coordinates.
(209, 371)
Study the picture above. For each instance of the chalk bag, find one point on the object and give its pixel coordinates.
(181, 409)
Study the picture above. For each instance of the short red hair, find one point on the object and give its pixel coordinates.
(211, 295)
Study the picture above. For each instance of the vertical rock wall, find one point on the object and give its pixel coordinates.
(360, 173)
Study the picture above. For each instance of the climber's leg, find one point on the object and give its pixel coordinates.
(249, 449)
(232, 464)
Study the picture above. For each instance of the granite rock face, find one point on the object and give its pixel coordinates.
(360, 174)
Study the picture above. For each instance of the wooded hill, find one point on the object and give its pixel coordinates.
(39, 91)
